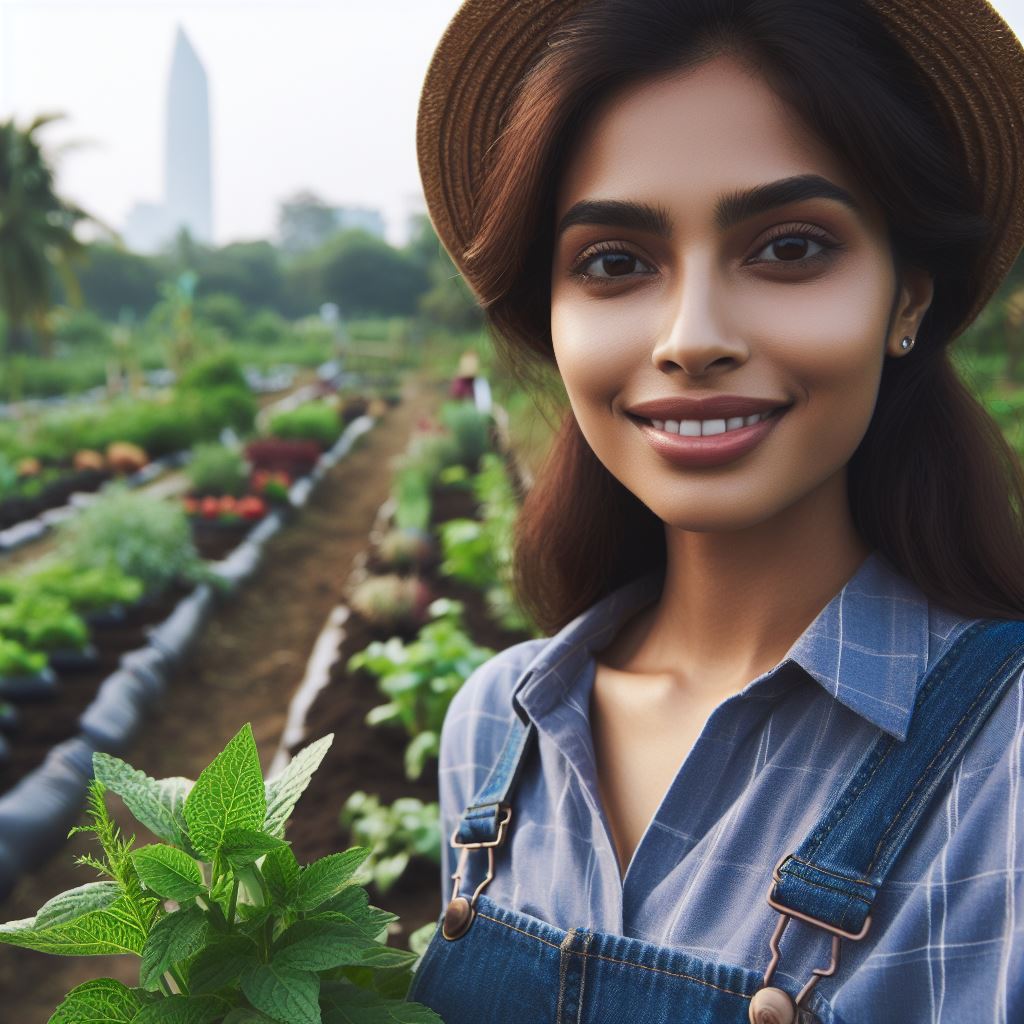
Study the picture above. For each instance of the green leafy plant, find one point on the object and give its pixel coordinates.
(43, 622)
(17, 660)
(141, 535)
(479, 552)
(391, 601)
(217, 469)
(471, 430)
(228, 927)
(314, 421)
(420, 678)
(85, 590)
(394, 833)
(405, 549)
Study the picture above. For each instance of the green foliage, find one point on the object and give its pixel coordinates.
(394, 833)
(420, 678)
(42, 622)
(222, 937)
(217, 469)
(85, 590)
(214, 372)
(16, 660)
(313, 421)
(412, 497)
(138, 534)
(480, 552)
(471, 430)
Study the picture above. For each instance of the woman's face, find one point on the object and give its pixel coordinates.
(711, 292)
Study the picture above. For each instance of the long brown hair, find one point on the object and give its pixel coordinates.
(933, 485)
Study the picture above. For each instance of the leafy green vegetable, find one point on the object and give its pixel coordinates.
(229, 929)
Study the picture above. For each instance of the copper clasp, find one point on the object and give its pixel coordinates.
(460, 912)
(774, 1004)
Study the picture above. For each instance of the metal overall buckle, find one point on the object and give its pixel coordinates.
(460, 912)
(772, 1005)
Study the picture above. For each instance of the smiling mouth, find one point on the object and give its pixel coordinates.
(709, 427)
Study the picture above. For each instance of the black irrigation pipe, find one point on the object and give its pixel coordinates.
(37, 812)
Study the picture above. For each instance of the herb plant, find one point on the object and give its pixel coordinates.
(17, 660)
(395, 833)
(228, 927)
(420, 678)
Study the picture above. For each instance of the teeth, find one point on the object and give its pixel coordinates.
(699, 428)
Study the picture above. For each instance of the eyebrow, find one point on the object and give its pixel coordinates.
(732, 208)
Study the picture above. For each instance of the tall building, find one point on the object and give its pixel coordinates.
(188, 194)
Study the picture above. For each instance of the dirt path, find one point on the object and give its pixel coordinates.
(246, 667)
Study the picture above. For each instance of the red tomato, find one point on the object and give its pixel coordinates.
(210, 508)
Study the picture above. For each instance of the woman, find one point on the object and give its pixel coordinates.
(777, 540)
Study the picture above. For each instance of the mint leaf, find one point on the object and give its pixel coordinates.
(284, 791)
(221, 964)
(281, 871)
(103, 1001)
(228, 794)
(286, 995)
(345, 1003)
(243, 846)
(183, 1010)
(155, 804)
(326, 877)
(169, 872)
(243, 1015)
(113, 925)
(320, 945)
(75, 902)
(173, 938)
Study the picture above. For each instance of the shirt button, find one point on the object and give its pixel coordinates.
(772, 1006)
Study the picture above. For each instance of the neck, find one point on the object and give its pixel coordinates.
(733, 603)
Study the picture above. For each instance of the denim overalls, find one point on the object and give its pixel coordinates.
(488, 964)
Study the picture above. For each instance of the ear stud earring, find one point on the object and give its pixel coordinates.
(907, 343)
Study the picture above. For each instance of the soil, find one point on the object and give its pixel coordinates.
(245, 668)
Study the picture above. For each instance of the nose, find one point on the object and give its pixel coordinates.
(695, 336)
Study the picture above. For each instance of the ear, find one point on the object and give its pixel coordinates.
(915, 288)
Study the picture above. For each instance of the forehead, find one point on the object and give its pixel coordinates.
(689, 136)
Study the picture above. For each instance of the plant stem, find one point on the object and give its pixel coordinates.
(233, 904)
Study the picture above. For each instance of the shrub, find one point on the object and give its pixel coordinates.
(142, 536)
(217, 469)
(16, 660)
(213, 373)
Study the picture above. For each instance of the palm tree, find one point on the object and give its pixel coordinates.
(36, 233)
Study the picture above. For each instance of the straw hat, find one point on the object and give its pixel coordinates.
(968, 53)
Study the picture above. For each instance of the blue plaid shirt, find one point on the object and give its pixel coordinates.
(947, 939)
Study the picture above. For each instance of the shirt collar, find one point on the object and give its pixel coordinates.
(868, 647)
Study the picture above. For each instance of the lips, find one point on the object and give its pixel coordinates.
(711, 408)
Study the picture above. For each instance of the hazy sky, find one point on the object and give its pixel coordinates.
(317, 94)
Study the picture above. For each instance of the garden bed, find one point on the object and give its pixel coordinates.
(371, 758)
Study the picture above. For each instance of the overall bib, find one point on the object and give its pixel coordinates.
(488, 964)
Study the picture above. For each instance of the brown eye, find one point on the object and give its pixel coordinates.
(803, 247)
(608, 264)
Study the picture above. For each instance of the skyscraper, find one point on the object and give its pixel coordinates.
(188, 198)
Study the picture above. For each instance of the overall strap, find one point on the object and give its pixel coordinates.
(481, 819)
(836, 873)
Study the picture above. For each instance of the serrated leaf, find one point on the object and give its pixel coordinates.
(320, 945)
(228, 794)
(168, 871)
(75, 902)
(243, 1015)
(386, 956)
(281, 871)
(156, 804)
(284, 791)
(344, 1003)
(173, 938)
(326, 877)
(362, 918)
(286, 995)
(183, 1010)
(101, 1001)
(120, 926)
(243, 846)
(221, 964)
